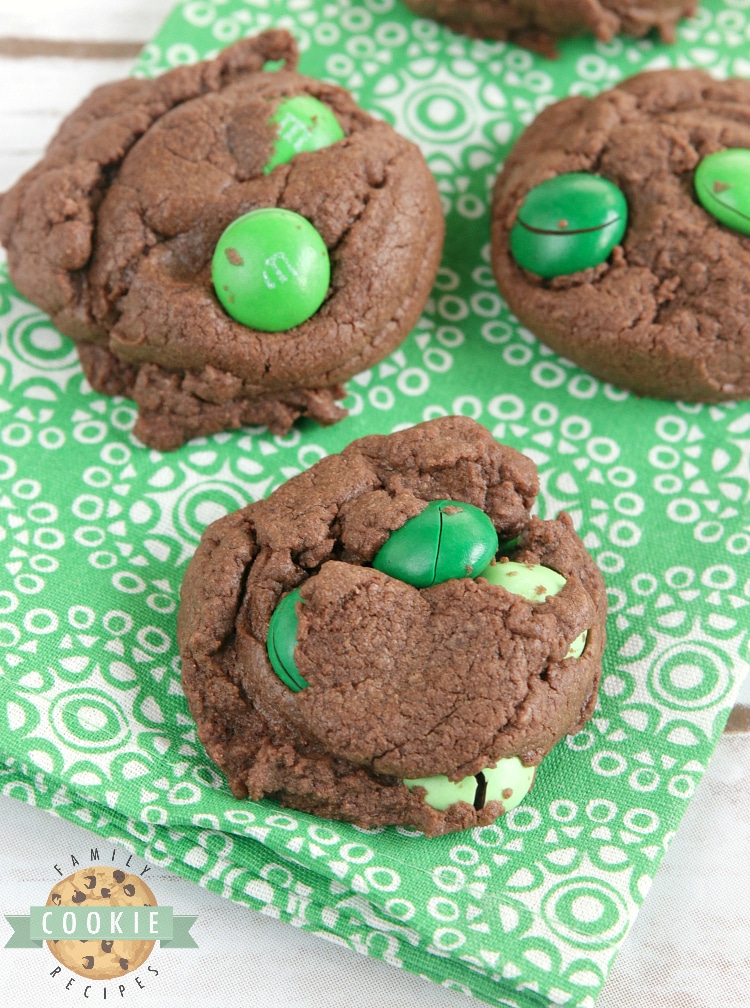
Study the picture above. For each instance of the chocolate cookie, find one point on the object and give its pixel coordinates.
(537, 23)
(663, 309)
(114, 231)
(367, 697)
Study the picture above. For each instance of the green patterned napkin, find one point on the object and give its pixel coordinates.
(95, 532)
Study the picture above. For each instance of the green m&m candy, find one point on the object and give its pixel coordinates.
(282, 640)
(446, 540)
(568, 223)
(441, 792)
(722, 185)
(535, 583)
(509, 782)
(510, 775)
(302, 124)
(271, 269)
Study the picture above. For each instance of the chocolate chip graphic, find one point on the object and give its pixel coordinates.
(119, 876)
(129, 890)
(104, 957)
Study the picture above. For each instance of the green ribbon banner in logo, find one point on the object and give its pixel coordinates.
(126, 923)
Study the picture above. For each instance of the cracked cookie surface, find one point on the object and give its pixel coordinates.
(537, 23)
(666, 315)
(112, 234)
(403, 683)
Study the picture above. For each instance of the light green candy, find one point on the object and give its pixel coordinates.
(303, 124)
(535, 583)
(722, 184)
(509, 774)
(576, 648)
(271, 269)
(442, 792)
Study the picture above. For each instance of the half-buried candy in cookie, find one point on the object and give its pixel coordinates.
(226, 244)
(390, 637)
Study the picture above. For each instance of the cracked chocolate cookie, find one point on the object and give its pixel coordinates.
(113, 234)
(620, 234)
(390, 638)
(537, 23)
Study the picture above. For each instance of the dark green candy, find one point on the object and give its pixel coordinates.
(448, 539)
(568, 223)
(722, 185)
(282, 640)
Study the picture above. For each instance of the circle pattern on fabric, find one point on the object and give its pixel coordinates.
(92, 708)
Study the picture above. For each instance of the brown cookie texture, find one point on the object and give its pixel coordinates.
(113, 232)
(666, 314)
(536, 24)
(403, 683)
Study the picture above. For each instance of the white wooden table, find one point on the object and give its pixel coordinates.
(690, 947)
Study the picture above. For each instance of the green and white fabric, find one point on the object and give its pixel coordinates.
(95, 532)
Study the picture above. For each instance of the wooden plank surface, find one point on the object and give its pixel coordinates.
(35, 94)
(77, 20)
(52, 53)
